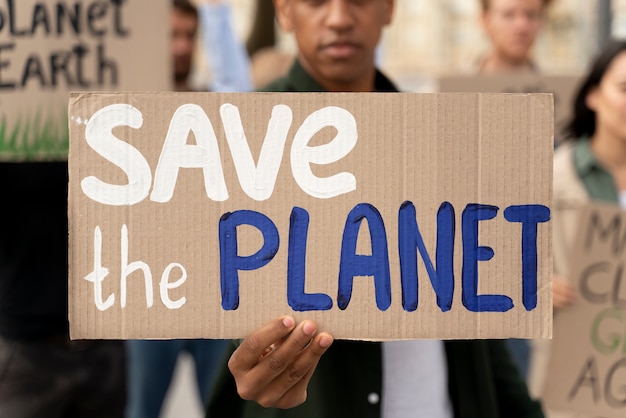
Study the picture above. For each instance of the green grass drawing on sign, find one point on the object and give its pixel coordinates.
(30, 139)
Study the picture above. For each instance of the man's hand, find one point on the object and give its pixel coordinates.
(274, 364)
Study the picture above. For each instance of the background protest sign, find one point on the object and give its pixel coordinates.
(563, 87)
(206, 214)
(587, 372)
(49, 48)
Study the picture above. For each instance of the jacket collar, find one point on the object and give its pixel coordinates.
(301, 81)
(584, 159)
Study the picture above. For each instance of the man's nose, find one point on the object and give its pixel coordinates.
(340, 16)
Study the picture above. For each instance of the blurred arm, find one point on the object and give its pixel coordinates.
(228, 59)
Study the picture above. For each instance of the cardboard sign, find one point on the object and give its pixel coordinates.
(563, 87)
(382, 216)
(587, 372)
(49, 48)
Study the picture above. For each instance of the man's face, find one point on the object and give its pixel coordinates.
(336, 38)
(183, 38)
(512, 26)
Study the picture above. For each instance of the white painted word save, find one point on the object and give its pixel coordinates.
(257, 181)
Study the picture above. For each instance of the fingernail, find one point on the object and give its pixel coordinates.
(308, 328)
(288, 322)
(325, 341)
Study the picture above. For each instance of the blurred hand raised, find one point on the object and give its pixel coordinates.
(563, 292)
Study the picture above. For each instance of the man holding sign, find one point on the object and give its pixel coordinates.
(284, 363)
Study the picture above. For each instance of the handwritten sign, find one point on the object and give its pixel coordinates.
(563, 87)
(48, 48)
(587, 370)
(382, 216)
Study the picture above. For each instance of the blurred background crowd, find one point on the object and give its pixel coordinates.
(430, 38)
(236, 45)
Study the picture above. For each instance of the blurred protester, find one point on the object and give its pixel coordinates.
(268, 60)
(151, 363)
(42, 372)
(268, 64)
(512, 27)
(589, 166)
(286, 369)
(262, 34)
(226, 55)
(183, 33)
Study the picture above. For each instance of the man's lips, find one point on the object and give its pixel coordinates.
(340, 50)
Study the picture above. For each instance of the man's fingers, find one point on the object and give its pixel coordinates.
(296, 395)
(256, 344)
(290, 347)
(305, 362)
(274, 364)
(289, 388)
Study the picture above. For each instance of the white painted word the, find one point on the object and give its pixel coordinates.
(99, 273)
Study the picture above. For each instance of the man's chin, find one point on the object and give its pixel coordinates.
(345, 76)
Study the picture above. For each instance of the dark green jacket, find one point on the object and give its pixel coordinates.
(297, 80)
(482, 380)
